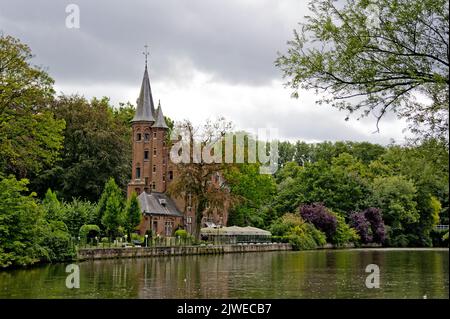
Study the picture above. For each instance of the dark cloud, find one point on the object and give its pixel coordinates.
(235, 41)
(208, 58)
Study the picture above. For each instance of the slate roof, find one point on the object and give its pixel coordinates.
(145, 110)
(151, 204)
(160, 120)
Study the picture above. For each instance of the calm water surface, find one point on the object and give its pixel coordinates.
(404, 273)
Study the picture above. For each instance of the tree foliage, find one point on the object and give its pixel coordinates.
(200, 178)
(30, 136)
(372, 57)
(111, 208)
(97, 145)
(133, 214)
(318, 215)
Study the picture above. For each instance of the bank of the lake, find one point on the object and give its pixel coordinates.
(160, 251)
(404, 273)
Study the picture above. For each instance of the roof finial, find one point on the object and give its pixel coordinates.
(146, 53)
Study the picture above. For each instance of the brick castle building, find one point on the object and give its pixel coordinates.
(152, 172)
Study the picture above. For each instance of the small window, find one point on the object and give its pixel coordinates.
(154, 168)
(164, 178)
(145, 155)
(138, 172)
(153, 185)
(146, 136)
(170, 175)
(154, 134)
(138, 136)
(154, 151)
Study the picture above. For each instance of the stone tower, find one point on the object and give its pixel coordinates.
(149, 146)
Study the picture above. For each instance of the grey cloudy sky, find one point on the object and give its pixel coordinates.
(207, 58)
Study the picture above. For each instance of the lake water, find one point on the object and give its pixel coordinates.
(404, 273)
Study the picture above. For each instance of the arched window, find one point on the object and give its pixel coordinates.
(145, 155)
(138, 137)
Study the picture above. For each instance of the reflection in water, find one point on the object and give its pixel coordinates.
(307, 274)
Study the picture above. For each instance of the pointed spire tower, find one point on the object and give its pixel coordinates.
(145, 110)
(160, 120)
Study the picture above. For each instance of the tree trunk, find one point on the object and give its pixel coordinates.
(198, 216)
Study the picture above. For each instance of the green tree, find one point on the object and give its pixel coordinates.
(341, 185)
(286, 153)
(54, 210)
(255, 190)
(395, 196)
(344, 233)
(20, 224)
(133, 214)
(372, 57)
(110, 208)
(97, 145)
(30, 136)
(427, 166)
(78, 213)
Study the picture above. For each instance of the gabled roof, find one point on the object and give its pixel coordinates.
(158, 204)
(160, 120)
(145, 110)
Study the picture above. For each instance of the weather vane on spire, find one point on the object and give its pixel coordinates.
(146, 53)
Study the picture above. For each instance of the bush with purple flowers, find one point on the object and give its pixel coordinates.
(318, 215)
(370, 225)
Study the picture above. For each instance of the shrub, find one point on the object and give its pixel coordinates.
(58, 243)
(373, 216)
(370, 226)
(137, 237)
(300, 234)
(362, 226)
(181, 233)
(89, 231)
(318, 215)
(344, 233)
